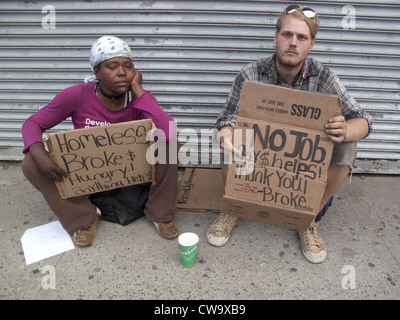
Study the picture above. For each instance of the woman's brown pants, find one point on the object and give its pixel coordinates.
(77, 213)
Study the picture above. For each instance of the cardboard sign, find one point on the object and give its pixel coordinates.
(101, 158)
(200, 190)
(284, 182)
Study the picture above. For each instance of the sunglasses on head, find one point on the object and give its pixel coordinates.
(307, 11)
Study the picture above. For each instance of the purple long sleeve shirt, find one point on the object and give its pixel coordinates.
(81, 104)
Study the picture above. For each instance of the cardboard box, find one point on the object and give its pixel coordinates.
(201, 189)
(291, 155)
(101, 158)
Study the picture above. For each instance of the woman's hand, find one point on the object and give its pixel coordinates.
(136, 85)
(45, 164)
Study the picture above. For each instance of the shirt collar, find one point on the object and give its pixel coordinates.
(269, 70)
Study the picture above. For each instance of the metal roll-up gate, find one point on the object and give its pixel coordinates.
(189, 53)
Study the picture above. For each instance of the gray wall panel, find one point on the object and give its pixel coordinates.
(189, 53)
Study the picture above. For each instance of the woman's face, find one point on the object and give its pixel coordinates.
(115, 75)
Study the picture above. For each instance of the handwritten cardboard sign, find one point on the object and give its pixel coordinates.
(101, 158)
(291, 155)
(201, 189)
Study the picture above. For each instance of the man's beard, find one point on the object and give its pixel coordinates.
(289, 63)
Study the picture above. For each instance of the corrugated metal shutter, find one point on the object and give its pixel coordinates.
(189, 53)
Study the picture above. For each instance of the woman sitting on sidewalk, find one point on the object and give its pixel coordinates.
(115, 96)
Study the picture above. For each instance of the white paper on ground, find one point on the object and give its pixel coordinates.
(45, 241)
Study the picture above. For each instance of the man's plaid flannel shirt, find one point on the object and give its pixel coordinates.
(314, 77)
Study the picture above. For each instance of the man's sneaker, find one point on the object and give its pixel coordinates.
(84, 237)
(219, 232)
(167, 230)
(312, 245)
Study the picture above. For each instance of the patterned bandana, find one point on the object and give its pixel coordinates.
(105, 48)
(108, 47)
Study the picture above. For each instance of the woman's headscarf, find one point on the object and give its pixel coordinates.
(105, 48)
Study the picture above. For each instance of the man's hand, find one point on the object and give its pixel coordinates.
(224, 136)
(336, 128)
(136, 85)
(45, 164)
(339, 130)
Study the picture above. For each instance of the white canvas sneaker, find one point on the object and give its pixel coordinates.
(312, 245)
(219, 232)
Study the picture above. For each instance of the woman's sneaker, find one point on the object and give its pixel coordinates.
(312, 245)
(85, 236)
(219, 232)
(167, 230)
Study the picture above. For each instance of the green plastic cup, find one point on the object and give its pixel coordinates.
(188, 243)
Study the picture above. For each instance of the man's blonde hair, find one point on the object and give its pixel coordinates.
(312, 23)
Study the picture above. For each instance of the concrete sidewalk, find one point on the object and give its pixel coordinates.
(361, 231)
